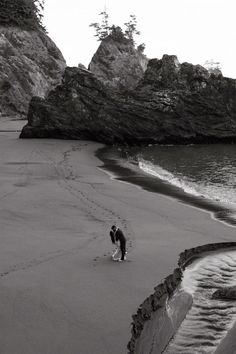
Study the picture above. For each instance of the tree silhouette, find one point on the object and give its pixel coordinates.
(131, 28)
(39, 8)
(102, 29)
(26, 14)
(213, 66)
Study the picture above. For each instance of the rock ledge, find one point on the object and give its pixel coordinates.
(163, 291)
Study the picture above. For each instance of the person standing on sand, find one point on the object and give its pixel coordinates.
(117, 253)
(117, 235)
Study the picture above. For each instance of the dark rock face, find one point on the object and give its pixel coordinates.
(117, 63)
(168, 74)
(30, 65)
(23, 14)
(225, 293)
(173, 103)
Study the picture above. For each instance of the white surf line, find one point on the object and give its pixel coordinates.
(115, 177)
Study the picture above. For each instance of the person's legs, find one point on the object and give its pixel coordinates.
(117, 254)
(123, 250)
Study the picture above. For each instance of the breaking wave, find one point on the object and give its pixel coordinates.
(210, 191)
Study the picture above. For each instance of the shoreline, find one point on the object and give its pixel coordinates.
(123, 173)
(58, 281)
(147, 318)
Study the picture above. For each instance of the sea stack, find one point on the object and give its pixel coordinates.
(124, 98)
(117, 63)
(172, 103)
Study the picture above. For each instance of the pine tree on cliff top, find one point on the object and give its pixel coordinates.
(25, 14)
(131, 28)
(103, 30)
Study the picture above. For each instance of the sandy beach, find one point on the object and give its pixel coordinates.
(60, 291)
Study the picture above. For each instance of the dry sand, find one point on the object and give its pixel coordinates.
(60, 291)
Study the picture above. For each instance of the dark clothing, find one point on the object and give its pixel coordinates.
(119, 236)
(112, 235)
(123, 250)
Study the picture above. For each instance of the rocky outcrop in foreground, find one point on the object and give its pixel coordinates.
(156, 304)
(31, 65)
(173, 103)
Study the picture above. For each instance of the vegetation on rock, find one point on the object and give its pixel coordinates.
(213, 67)
(25, 14)
(131, 28)
(103, 29)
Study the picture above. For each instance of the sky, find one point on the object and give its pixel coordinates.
(194, 30)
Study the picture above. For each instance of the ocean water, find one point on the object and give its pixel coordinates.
(201, 175)
(203, 170)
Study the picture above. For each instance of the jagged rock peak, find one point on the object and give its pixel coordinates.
(168, 73)
(117, 63)
(31, 65)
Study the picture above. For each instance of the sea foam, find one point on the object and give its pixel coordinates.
(212, 192)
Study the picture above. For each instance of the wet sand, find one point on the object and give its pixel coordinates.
(60, 291)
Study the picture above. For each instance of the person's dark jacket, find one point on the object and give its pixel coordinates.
(119, 236)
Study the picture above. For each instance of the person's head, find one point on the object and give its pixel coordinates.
(113, 227)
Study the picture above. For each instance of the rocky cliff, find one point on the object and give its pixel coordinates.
(31, 65)
(117, 63)
(173, 103)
